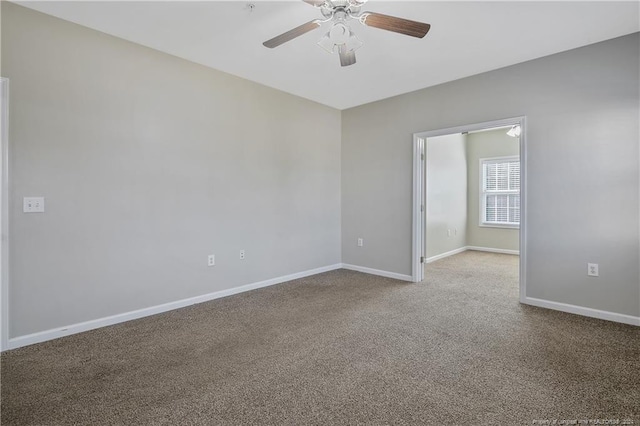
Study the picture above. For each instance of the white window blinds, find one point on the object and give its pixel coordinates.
(500, 191)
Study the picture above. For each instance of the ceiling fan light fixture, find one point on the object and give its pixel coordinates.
(340, 39)
(514, 131)
(353, 43)
(326, 43)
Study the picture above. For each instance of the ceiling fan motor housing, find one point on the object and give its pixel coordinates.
(350, 8)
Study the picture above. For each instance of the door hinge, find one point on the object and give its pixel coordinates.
(422, 157)
(421, 259)
(421, 207)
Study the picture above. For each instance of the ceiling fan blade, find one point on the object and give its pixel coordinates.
(291, 34)
(346, 58)
(397, 25)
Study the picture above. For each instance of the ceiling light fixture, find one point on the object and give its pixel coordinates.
(514, 131)
(340, 39)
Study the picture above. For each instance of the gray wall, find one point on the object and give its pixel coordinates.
(446, 194)
(487, 144)
(148, 164)
(582, 137)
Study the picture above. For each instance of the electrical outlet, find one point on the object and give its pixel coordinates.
(211, 260)
(33, 205)
(241, 254)
(448, 232)
(592, 270)
(455, 231)
(360, 242)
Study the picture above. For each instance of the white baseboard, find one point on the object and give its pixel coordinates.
(476, 248)
(447, 254)
(372, 271)
(580, 310)
(55, 333)
(43, 336)
(493, 250)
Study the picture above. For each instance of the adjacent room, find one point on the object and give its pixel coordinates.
(472, 197)
(320, 212)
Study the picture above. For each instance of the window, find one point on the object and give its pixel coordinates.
(500, 192)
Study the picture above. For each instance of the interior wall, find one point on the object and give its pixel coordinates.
(446, 194)
(582, 112)
(148, 164)
(488, 144)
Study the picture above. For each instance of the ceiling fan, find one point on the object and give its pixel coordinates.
(340, 38)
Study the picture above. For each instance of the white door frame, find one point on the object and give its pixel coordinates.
(419, 222)
(419, 252)
(4, 213)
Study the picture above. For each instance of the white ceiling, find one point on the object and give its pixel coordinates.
(466, 38)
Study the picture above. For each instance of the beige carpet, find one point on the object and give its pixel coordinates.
(339, 348)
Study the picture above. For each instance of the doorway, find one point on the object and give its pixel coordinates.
(498, 214)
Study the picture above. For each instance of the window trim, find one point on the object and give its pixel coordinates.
(481, 193)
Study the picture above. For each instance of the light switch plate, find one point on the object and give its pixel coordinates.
(33, 205)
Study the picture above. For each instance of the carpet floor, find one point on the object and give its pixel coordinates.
(339, 348)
